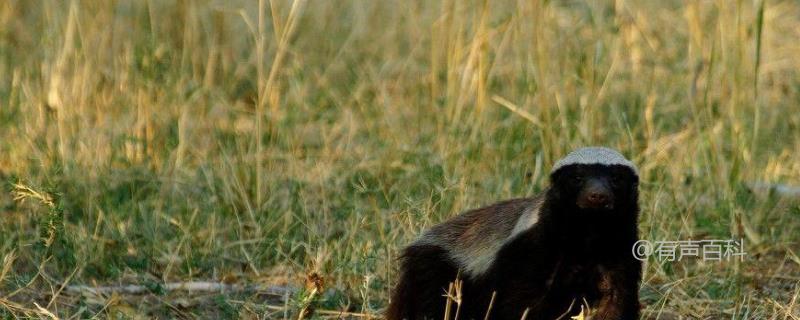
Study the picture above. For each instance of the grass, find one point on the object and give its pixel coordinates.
(261, 142)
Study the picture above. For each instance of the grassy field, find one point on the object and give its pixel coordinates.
(146, 142)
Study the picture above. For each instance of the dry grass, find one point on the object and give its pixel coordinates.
(259, 142)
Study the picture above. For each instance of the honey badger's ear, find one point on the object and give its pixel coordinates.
(625, 174)
(565, 181)
(560, 175)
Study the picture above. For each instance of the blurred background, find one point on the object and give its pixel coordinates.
(269, 142)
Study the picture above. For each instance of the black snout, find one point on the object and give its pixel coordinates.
(598, 198)
(596, 194)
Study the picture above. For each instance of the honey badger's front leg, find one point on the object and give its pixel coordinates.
(619, 291)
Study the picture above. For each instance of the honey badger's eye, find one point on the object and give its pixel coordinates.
(616, 181)
(577, 179)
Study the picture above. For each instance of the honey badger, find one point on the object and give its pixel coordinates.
(550, 254)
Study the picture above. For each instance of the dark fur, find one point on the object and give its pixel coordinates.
(571, 255)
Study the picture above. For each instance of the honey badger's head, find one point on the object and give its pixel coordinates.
(595, 180)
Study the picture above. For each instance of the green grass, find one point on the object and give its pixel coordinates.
(260, 142)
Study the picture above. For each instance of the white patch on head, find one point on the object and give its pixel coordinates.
(595, 155)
